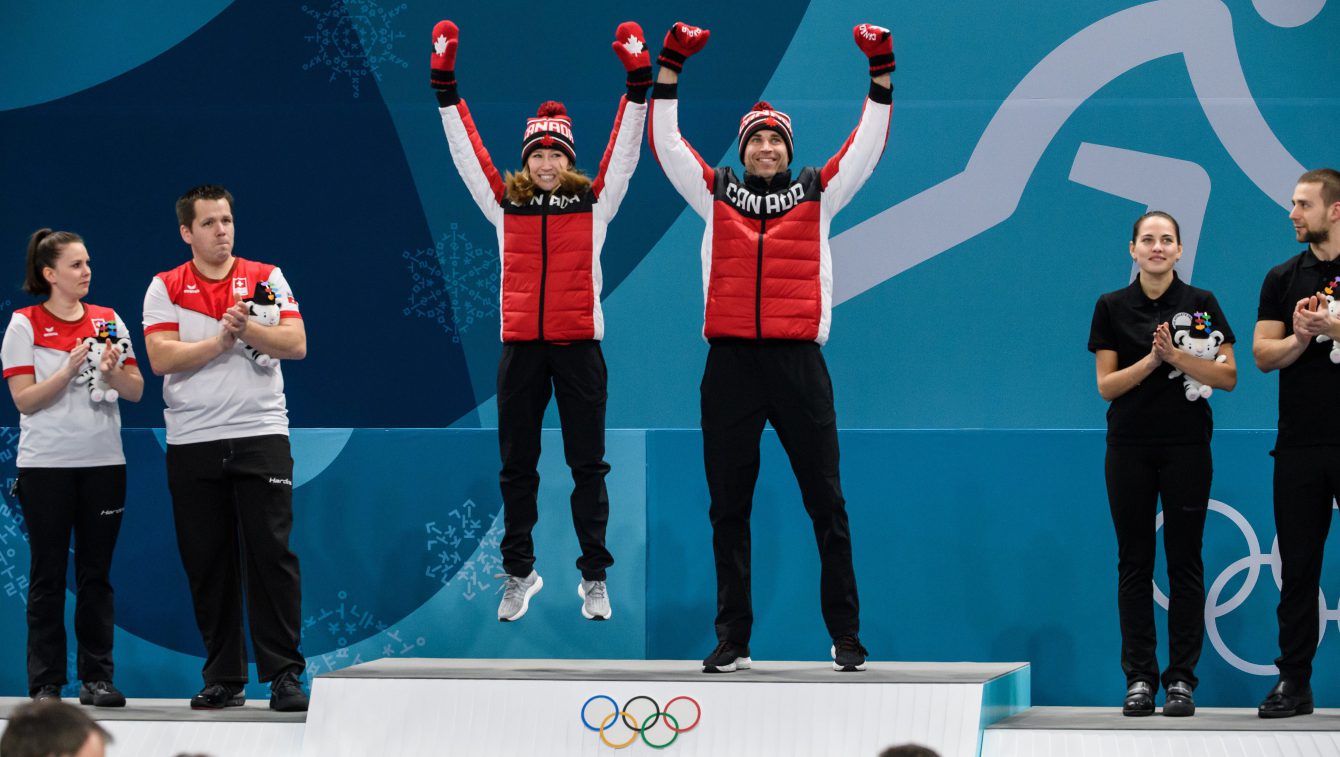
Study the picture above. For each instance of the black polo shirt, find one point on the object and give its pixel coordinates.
(1310, 387)
(1156, 411)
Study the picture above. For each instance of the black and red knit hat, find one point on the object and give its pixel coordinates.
(761, 117)
(551, 129)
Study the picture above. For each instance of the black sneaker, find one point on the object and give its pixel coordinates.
(848, 654)
(101, 694)
(1139, 700)
(1178, 703)
(216, 696)
(728, 657)
(286, 694)
(47, 693)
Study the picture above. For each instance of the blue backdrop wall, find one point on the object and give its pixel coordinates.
(1015, 165)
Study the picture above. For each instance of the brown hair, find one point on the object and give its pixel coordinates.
(521, 188)
(1328, 178)
(1135, 230)
(42, 729)
(44, 249)
(186, 203)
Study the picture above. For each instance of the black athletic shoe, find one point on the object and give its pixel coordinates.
(101, 694)
(216, 696)
(47, 693)
(848, 654)
(286, 694)
(1286, 700)
(1139, 700)
(1178, 703)
(728, 657)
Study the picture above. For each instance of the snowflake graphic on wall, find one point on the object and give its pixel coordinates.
(335, 624)
(354, 39)
(462, 535)
(454, 283)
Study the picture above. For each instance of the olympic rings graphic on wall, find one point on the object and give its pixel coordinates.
(640, 726)
(1252, 564)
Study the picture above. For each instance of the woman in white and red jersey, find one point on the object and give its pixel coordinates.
(551, 223)
(71, 471)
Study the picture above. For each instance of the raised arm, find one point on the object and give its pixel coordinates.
(621, 154)
(685, 169)
(467, 149)
(848, 170)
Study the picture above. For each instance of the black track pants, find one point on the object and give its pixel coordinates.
(574, 373)
(785, 383)
(232, 501)
(1137, 478)
(1306, 481)
(58, 502)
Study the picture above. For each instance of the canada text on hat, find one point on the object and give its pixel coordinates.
(761, 117)
(552, 129)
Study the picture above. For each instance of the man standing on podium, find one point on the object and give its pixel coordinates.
(768, 285)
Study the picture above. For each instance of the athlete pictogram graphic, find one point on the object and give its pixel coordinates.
(1201, 31)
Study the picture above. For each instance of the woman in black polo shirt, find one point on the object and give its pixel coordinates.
(1150, 341)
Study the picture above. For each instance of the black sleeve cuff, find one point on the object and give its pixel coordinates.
(668, 91)
(447, 96)
(881, 94)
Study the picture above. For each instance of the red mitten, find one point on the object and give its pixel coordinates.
(680, 42)
(877, 44)
(630, 44)
(445, 37)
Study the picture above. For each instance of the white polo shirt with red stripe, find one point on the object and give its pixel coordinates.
(74, 431)
(229, 397)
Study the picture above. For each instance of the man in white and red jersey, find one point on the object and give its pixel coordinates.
(228, 462)
(768, 291)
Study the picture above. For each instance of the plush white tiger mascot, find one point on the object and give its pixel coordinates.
(98, 388)
(263, 308)
(1192, 334)
(1334, 307)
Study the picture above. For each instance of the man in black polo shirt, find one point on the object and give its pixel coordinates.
(1294, 330)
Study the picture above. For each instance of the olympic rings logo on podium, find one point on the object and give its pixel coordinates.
(1252, 565)
(639, 721)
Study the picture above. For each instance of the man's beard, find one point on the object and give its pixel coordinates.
(1314, 236)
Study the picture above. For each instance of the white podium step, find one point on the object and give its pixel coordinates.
(1212, 732)
(538, 707)
(152, 727)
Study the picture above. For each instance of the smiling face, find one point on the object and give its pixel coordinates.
(546, 166)
(71, 275)
(1156, 248)
(765, 154)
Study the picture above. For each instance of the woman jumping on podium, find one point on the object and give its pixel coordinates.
(551, 222)
(71, 470)
(1161, 347)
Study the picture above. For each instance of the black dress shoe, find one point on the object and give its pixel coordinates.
(1286, 700)
(1178, 703)
(216, 696)
(1139, 700)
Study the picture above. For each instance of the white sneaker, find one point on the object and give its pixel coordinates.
(595, 600)
(516, 596)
